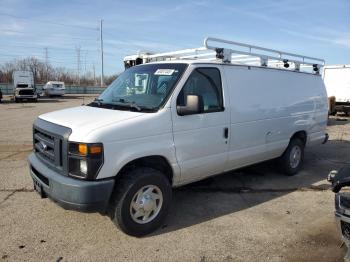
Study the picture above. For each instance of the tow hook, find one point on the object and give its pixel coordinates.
(326, 136)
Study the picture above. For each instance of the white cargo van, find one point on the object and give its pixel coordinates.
(23, 86)
(54, 88)
(337, 81)
(177, 118)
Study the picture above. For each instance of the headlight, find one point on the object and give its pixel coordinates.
(85, 160)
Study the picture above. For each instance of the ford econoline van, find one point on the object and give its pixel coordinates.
(174, 118)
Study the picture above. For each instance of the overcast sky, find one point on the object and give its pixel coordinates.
(314, 28)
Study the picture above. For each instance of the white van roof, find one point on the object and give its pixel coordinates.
(231, 52)
(336, 66)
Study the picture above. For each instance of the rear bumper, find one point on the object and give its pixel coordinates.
(317, 138)
(70, 193)
(57, 92)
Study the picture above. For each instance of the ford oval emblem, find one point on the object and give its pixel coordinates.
(43, 145)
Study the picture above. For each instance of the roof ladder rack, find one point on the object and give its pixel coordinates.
(233, 52)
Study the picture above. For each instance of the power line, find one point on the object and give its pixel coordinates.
(48, 22)
(57, 49)
(50, 36)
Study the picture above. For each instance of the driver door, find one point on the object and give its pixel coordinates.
(201, 139)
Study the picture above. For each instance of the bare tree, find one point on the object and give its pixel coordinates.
(43, 71)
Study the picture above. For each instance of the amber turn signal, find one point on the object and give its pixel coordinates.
(83, 149)
(95, 149)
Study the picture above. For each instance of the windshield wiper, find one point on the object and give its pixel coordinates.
(127, 103)
(96, 101)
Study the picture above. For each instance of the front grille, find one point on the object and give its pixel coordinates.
(28, 92)
(48, 147)
(50, 143)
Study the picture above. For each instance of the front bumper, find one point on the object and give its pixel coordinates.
(35, 96)
(342, 216)
(70, 193)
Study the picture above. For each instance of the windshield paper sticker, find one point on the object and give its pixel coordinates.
(164, 72)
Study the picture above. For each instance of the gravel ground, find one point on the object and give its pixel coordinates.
(253, 214)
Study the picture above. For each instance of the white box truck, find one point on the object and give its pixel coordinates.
(23, 86)
(337, 81)
(54, 88)
(173, 119)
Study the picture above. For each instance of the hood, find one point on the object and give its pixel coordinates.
(88, 118)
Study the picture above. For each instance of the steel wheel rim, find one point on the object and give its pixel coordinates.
(146, 204)
(295, 157)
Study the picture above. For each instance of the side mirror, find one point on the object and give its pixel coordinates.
(193, 106)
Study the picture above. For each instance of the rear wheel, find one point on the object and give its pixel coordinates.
(292, 159)
(141, 201)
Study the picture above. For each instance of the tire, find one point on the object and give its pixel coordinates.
(135, 181)
(288, 164)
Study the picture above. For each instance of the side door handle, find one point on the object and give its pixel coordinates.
(226, 132)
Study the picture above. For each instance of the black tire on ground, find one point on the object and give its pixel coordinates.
(287, 163)
(17, 100)
(126, 188)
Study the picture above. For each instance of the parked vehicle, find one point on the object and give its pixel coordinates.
(168, 123)
(54, 88)
(0, 95)
(337, 81)
(341, 179)
(23, 86)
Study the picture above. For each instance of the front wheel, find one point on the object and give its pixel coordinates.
(292, 159)
(141, 201)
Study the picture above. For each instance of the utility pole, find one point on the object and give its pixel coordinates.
(101, 41)
(93, 68)
(77, 49)
(85, 54)
(47, 63)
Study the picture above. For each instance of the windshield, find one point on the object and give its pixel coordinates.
(143, 87)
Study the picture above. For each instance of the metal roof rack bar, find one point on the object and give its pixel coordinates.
(233, 54)
(280, 53)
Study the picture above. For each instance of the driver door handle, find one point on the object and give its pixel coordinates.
(226, 132)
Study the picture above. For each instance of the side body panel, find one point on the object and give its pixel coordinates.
(337, 81)
(267, 108)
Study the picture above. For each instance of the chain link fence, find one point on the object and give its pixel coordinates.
(7, 89)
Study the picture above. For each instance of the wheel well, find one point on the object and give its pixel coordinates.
(300, 135)
(157, 162)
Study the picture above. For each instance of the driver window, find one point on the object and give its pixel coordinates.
(205, 83)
